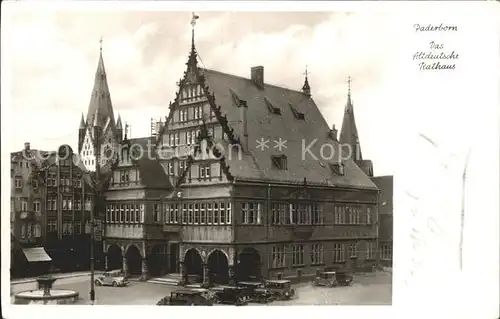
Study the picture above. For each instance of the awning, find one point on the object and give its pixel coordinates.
(36, 254)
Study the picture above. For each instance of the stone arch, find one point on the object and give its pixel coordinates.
(221, 250)
(249, 264)
(134, 245)
(200, 252)
(218, 266)
(114, 255)
(134, 260)
(193, 262)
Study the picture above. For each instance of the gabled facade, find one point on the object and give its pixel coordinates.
(243, 209)
(99, 115)
(134, 238)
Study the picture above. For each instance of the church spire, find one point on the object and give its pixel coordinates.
(306, 88)
(100, 104)
(349, 133)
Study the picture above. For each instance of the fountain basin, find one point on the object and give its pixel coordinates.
(45, 295)
(37, 297)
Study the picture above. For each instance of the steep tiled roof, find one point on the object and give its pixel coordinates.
(386, 186)
(265, 124)
(151, 172)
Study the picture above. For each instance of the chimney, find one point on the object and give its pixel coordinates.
(27, 146)
(244, 123)
(333, 133)
(257, 76)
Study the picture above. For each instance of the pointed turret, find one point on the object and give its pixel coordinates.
(81, 133)
(349, 137)
(119, 129)
(100, 101)
(119, 122)
(82, 123)
(306, 88)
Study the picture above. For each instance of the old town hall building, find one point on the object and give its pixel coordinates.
(244, 179)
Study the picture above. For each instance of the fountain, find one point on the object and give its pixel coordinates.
(45, 294)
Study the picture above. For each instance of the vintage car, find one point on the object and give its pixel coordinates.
(187, 297)
(230, 295)
(113, 278)
(255, 292)
(280, 289)
(344, 277)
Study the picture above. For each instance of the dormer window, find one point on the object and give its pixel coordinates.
(297, 114)
(279, 161)
(271, 107)
(337, 169)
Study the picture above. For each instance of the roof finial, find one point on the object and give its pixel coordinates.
(349, 85)
(193, 23)
(306, 88)
(100, 41)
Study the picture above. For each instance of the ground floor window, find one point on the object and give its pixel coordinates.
(297, 255)
(317, 254)
(278, 256)
(386, 252)
(370, 250)
(338, 253)
(353, 252)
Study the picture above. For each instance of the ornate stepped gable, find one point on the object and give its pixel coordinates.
(299, 122)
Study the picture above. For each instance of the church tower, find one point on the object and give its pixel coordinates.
(349, 138)
(99, 129)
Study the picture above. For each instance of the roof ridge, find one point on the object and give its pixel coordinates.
(245, 78)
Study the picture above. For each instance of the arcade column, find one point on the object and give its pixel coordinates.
(206, 278)
(106, 262)
(144, 270)
(232, 279)
(183, 273)
(124, 265)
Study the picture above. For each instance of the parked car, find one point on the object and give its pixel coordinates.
(344, 277)
(187, 297)
(280, 289)
(255, 291)
(230, 295)
(111, 278)
(333, 278)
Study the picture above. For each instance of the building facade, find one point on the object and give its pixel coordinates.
(69, 201)
(229, 205)
(386, 229)
(27, 208)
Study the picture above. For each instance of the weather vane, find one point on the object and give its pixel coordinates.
(100, 41)
(193, 20)
(306, 73)
(349, 84)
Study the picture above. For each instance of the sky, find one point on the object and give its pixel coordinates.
(54, 54)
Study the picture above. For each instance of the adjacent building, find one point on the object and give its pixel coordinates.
(27, 208)
(386, 186)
